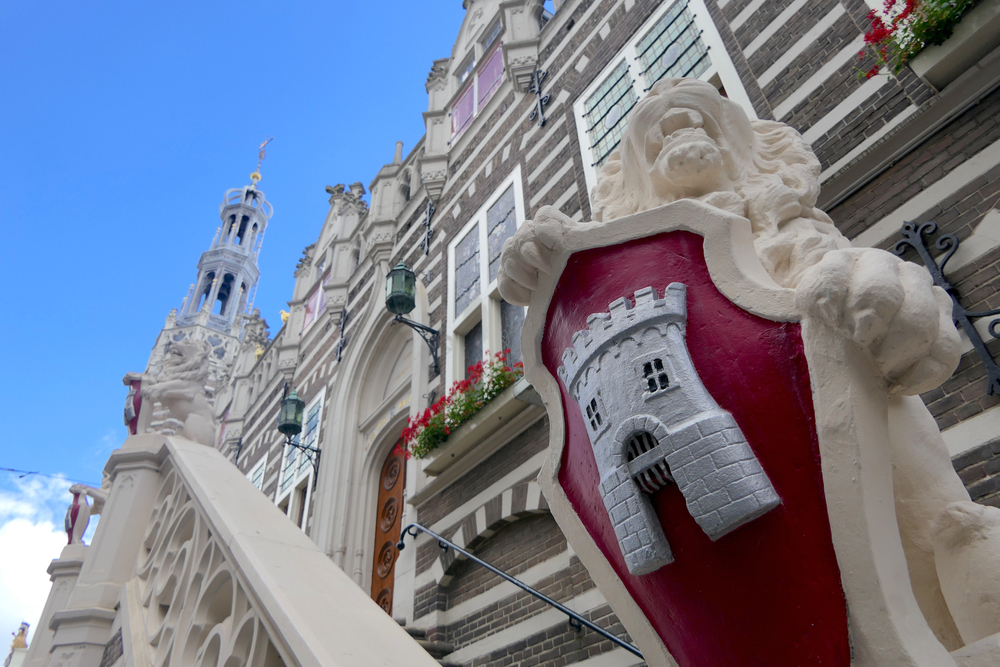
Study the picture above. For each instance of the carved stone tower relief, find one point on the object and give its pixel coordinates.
(652, 422)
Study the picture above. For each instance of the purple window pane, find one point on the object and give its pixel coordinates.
(490, 77)
(462, 112)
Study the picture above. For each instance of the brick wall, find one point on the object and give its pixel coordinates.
(939, 155)
(521, 448)
(980, 470)
(514, 549)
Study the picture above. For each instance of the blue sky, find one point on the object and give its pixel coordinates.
(124, 124)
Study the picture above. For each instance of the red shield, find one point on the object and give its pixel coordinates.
(770, 592)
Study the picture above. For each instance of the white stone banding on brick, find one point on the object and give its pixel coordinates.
(796, 49)
(651, 422)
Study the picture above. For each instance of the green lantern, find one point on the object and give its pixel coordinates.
(400, 287)
(290, 415)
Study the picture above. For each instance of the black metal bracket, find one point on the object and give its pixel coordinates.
(429, 335)
(541, 101)
(312, 459)
(428, 233)
(576, 621)
(913, 237)
(239, 448)
(343, 340)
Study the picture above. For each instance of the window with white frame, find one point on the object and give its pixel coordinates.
(256, 474)
(479, 320)
(679, 40)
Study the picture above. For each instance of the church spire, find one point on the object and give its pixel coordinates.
(227, 271)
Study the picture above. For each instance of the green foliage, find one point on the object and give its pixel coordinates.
(905, 27)
(485, 382)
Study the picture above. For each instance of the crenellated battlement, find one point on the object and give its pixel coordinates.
(623, 317)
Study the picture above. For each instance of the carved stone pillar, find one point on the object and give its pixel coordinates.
(83, 626)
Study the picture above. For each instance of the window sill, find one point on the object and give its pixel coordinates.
(496, 414)
(975, 36)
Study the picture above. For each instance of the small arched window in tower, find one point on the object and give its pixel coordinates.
(656, 476)
(654, 376)
(242, 233)
(230, 227)
(206, 290)
(225, 290)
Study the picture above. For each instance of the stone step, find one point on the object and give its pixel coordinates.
(436, 649)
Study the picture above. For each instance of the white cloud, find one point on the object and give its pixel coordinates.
(31, 535)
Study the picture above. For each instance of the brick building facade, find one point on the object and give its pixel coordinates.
(924, 145)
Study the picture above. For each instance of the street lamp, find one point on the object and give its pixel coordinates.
(400, 299)
(290, 425)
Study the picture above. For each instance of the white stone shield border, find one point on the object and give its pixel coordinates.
(850, 402)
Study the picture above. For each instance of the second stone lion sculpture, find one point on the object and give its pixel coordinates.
(179, 386)
(684, 140)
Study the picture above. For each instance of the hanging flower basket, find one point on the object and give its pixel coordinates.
(485, 381)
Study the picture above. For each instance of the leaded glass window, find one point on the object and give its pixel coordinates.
(290, 467)
(501, 223)
(511, 322)
(473, 347)
(480, 323)
(310, 435)
(257, 476)
(673, 47)
(467, 270)
(606, 112)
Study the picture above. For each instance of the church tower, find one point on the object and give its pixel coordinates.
(227, 272)
(219, 303)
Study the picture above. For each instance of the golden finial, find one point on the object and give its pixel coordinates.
(261, 154)
(284, 315)
(259, 352)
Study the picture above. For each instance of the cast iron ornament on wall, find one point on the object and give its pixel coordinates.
(541, 101)
(651, 422)
(913, 237)
(428, 232)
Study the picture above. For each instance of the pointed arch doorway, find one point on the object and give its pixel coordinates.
(388, 515)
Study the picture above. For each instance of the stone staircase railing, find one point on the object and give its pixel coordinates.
(193, 566)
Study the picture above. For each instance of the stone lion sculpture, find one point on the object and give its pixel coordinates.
(179, 386)
(684, 140)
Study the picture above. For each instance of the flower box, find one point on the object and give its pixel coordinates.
(975, 36)
(509, 403)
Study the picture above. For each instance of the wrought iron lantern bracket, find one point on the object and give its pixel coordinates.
(913, 237)
(429, 335)
(312, 459)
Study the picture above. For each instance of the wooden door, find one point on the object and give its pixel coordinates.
(387, 528)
